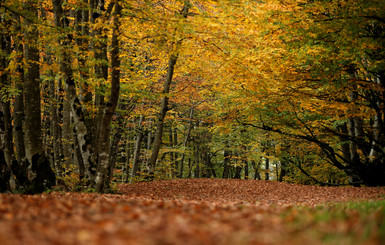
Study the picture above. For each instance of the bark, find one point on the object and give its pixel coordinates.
(108, 112)
(162, 114)
(56, 139)
(267, 168)
(226, 169)
(197, 160)
(128, 155)
(19, 168)
(41, 175)
(283, 171)
(5, 172)
(377, 129)
(180, 174)
(174, 166)
(257, 175)
(238, 170)
(113, 154)
(8, 148)
(83, 134)
(210, 171)
(246, 163)
(175, 144)
(67, 133)
(138, 143)
(164, 104)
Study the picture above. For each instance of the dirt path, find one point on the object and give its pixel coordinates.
(184, 212)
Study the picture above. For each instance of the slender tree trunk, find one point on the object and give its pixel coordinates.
(162, 114)
(267, 169)
(172, 153)
(246, 163)
(113, 154)
(138, 144)
(108, 112)
(180, 174)
(128, 154)
(238, 169)
(164, 104)
(257, 175)
(5, 172)
(56, 139)
(283, 171)
(197, 160)
(175, 144)
(226, 170)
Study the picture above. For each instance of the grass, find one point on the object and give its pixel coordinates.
(342, 223)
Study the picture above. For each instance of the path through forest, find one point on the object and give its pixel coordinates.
(199, 211)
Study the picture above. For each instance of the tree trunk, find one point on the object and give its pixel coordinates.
(41, 174)
(197, 160)
(175, 144)
(162, 114)
(83, 134)
(226, 170)
(108, 111)
(180, 174)
(8, 148)
(56, 139)
(138, 144)
(172, 153)
(257, 175)
(5, 172)
(128, 155)
(113, 155)
(238, 170)
(267, 168)
(246, 163)
(163, 108)
(20, 167)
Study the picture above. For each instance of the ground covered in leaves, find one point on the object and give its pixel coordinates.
(199, 211)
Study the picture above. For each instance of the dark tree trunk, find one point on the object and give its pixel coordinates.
(164, 104)
(5, 172)
(138, 144)
(180, 174)
(113, 154)
(226, 170)
(160, 119)
(267, 169)
(246, 163)
(128, 155)
(257, 175)
(238, 171)
(41, 174)
(20, 167)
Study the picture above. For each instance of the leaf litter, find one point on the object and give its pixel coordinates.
(195, 211)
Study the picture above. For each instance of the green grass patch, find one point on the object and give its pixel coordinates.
(342, 223)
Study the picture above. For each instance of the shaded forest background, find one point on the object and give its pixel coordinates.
(96, 91)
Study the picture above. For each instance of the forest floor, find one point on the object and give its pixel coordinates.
(199, 211)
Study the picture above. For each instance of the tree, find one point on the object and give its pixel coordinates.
(41, 175)
(325, 84)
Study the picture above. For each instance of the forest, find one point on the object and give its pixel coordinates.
(95, 93)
